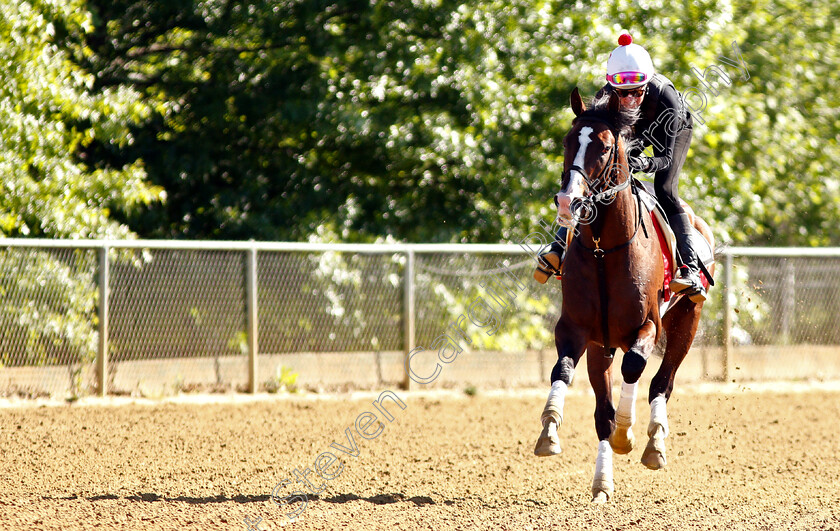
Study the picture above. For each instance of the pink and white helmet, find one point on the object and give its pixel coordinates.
(629, 65)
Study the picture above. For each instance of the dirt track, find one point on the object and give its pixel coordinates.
(741, 460)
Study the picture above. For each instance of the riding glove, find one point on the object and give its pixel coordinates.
(642, 164)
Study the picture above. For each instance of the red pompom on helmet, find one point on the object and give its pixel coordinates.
(624, 39)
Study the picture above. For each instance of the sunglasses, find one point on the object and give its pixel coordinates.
(631, 93)
(627, 78)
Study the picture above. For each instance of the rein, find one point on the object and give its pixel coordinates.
(598, 252)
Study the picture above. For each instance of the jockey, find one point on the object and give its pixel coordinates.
(665, 124)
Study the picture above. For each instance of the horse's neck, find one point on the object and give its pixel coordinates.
(615, 223)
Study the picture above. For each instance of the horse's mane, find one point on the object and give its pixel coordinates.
(621, 121)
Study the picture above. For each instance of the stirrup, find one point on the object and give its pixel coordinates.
(688, 283)
(549, 264)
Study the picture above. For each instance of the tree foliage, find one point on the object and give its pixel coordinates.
(441, 121)
(426, 121)
(49, 114)
(766, 162)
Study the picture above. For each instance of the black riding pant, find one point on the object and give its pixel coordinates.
(666, 184)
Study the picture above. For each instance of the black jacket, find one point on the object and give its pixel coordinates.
(663, 117)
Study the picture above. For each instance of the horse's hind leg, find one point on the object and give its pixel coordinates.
(599, 366)
(680, 324)
(633, 364)
(570, 344)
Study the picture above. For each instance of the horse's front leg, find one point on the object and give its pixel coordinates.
(599, 365)
(632, 366)
(570, 343)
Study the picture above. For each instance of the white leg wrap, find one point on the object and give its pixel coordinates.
(658, 414)
(626, 413)
(603, 468)
(554, 405)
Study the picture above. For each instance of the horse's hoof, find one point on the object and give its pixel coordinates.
(654, 455)
(549, 442)
(622, 440)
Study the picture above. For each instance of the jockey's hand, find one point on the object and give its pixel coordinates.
(642, 164)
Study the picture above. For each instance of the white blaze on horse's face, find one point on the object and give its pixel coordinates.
(576, 187)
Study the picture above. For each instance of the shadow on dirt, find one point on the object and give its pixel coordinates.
(379, 499)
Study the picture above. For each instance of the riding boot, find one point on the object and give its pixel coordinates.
(551, 262)
(687, 280)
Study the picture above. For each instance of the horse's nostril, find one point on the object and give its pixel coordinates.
(562, 202)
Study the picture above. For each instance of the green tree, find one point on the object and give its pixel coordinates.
(768, 154)
(433, 121)
(441, 121)
(49, 114)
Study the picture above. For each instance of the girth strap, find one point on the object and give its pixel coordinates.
(602, 291)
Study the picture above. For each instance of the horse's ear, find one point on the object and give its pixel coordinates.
(577, 104)
(613, 105)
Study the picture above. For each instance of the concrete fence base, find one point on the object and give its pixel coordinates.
(372, 370)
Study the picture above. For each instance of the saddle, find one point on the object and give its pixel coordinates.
(668, 243)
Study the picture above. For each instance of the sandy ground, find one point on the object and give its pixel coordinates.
(739, 458)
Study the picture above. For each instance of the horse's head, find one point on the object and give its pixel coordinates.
(595, 164)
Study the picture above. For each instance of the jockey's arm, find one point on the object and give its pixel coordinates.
(662, 158)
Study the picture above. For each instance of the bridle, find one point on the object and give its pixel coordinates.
(606, 195)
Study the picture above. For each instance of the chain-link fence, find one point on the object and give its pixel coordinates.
(175, 317)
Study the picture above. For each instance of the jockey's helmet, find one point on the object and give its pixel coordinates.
(629, 65)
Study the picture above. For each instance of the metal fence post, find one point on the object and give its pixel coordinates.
(788, 318)
(253, 320)
(102, 355)
(408, 314)
(727, 317)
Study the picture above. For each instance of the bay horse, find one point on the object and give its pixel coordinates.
(613, 284)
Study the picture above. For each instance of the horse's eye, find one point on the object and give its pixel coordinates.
(605, 149)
